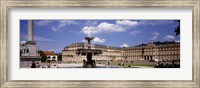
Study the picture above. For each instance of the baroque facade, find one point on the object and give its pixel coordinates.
(153, 51)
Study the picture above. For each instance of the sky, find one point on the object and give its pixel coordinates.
(54, 35)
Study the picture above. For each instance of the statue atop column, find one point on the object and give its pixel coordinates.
(29, 52)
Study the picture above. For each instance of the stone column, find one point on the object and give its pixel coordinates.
(30, 30)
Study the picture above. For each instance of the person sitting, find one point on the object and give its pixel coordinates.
(33, 65)
(84, 64)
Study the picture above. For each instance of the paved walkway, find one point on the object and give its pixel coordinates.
(80, 65)
(71, 65)
(141, 67)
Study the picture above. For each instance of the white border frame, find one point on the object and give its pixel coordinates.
(7, 4)
(182, 73)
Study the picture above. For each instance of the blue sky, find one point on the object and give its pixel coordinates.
(54, 35)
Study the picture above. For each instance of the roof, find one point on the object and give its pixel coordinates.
(157, 43)
(49, 53)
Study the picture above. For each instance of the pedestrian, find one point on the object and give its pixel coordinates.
(108, 62)
(33, 65)
(37, 65)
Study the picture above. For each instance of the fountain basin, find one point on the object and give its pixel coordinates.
(86, 51)
(89, 53)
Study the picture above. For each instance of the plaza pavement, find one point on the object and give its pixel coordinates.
(79, 65)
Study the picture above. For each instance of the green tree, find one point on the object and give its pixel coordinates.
(177, 29)
(43, 56)
(60, 56)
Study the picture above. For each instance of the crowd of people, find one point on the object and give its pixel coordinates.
(34, 65)
(174, 64)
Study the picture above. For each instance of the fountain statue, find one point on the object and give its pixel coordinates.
(88, 52)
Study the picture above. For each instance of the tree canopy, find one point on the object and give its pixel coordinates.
(177, 29)
(60, 56)
(43, 56)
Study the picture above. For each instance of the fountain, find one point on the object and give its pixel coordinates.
(88, 52)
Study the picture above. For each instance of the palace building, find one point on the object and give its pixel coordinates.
(153, 51)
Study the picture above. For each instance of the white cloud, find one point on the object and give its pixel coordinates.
(118, 26)
(110, 27)
(122, 26)
(102, 27)
(135, 33)
(86, 29)
(127, 23)
(155, 33)
(36, 38)
(54, 29)
(91, 23)
(154, 38)
(22, 42)
(99, 40)
(60, 23)
(177, 41)
(124, 45)
(83, 40)
(63, 23)
(43, 22)
(169, 38)
(55, 50)
(156, 22)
